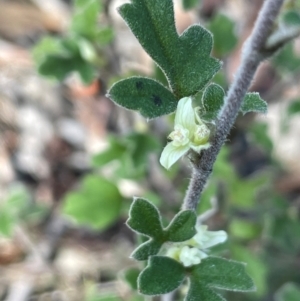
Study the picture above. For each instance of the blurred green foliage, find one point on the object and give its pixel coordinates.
(80, 50)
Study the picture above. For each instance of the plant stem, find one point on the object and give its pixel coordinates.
(254, 52)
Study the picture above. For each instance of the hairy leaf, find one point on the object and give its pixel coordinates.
(161, 276)
(144, 218)
(253, 103)
(199, 292)
(212, 102)
(185, 59)
(147, 249)
(182, 227)
(223, 274)
(146, 95)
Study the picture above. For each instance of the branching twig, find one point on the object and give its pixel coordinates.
(254, 52)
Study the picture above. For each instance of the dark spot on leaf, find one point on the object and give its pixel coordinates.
(157, 100)
(139, 85)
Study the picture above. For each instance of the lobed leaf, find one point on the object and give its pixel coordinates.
(182, 227)
(253, 103)
(161, 276)
(223, 274)
(147, 249)
(146, 95)
(144, 218)
(212, 102)
(185, 59)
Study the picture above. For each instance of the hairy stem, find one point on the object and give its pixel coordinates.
(254, 52)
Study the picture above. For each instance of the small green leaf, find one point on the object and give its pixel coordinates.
(161, 276)
(223, 274)
(182, 227)
(212, 102)
(225, 38)
(185, 59)
(253, 103)
(199, 292)
(145, 218)
(147, 249)
(190, 4)
(288, 292)
(97, 204)
(145, 95)
(130, 276)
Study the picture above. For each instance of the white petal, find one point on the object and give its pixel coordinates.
(185, 115)
(209, 239)
(191, 256)
(171, 154)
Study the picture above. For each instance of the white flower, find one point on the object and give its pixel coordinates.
(190, 256)
(189, 132)
(206, 239)
(191, 252)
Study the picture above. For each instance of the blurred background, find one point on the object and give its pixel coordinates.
(71, 160)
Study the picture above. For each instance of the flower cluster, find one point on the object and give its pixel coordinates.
(191, 252)
(189, 133)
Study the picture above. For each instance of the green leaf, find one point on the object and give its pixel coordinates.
(291, 18)
(190, 4)
(161, 276)
(287, 60)
(147, 249)
(144, 218)
(223, 274)
(199, 292)
(97, 204)
(288, 292)
(253, 103)
(85, 18)
(141, 145)
(294, 108)
(130, 276)
(259, 132)
(185, 59)
(212, 102)
(225, 38)
(145, 95)
(60, 67)
(115, 151)
(182, 227)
